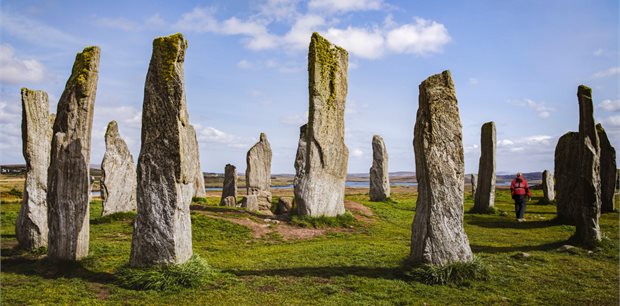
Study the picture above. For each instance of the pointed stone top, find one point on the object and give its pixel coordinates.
(377, 138)
(263, 137)
(112, 129)
(444, 78)
(170, 50)
(321, 42)
(584, 90)
(491, 123)
(86, 62)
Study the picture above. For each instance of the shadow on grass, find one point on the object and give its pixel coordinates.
(51, 269)
(384, 273)
(498, 222)
(525, 248)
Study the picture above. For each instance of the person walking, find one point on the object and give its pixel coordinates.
(520, 193)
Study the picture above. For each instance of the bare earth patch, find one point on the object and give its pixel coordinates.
(262, 226)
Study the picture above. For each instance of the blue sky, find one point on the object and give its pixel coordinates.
(517, 63)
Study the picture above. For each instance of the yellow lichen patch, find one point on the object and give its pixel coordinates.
(327, 56)
(171, 50)
(83, 66)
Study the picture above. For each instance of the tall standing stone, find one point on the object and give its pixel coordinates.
(199, 179)
(321, 189)
(589, 196)
(379, 175)
(68, 176)
(230, 184)
(474, 184)
(300, 163)
(485, 190)
(608, 170)
(438, 236)
(566, 173)
(547, 186)
(163, 229)
(31, 225)
(258, 173)
(118, 182)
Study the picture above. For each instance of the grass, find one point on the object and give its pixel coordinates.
(359, 267)
(458, 273)
(169, 277)
(345, 220)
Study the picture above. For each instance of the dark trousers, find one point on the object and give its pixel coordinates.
(520, 205)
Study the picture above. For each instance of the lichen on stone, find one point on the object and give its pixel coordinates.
(171, 50)
(326, 54)
(82, 66)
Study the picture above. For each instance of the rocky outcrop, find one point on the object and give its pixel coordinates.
(258, 173)
(250, 203)
(566, 173)
(163, 230)
(31, 225)
(547, 186)
(285, 205)
(589, 196)
(379, 175)
(230, 185)
(320, 191)
(300, 163)
(118, 182)
(474, 185)
(485, 189)
(608, 170)
(199, 180)
(229, 201)
(68, 176)
(438, 236)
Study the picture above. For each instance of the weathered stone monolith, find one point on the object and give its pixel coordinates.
(474, 185)
(321, 189)
(485, 189)
(68, 176)
(199, 179)
(608, 170)
(229, 201)
(379, 175)
(547, 186)
(163, 229)
(566, 173)
(300, 163)
(285, 205)
(438, 236)
(589, 195)
(31, 225)
(258, 173)
(118, 182)
(230, 185)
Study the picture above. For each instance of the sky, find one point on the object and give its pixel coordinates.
(517, 63)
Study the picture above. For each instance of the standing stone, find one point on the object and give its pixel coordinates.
(438, 236)
(474, 184)
(285, 205)
(199, 179)
(229, 201)
(300, 163)
(589, 196)
(321, 188)
(608, 171)
(118, 182)
(258, 173)
(485, 190)
(566, 173)
(68, 176)
(250, 203)
(163, 229)
(230, 185)
(379, 175)
(31, 225)
(547, 186)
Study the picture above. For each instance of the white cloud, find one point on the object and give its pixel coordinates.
(473, 81)
(613, 121)
(542, 110)
(10, 131)
(295, 119)
(422, 38)
(34, 32)
(361, 42)
(606, 73)
(298, 37)
(357, 152)
(212, 135)
(599, 52)
(534, 144)
(15, 70)
(280, 9)
(244, 64)
(610, 105)
(343, 6)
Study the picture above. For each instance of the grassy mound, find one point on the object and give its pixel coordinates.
(457, 273)
(170, 277)
(345, 220)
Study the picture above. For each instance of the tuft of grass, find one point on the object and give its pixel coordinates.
(458, 273)
(16, 193)
(165, 278)
(199, 200)
(119, 216)
(345, 220)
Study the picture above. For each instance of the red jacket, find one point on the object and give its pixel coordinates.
(519, 187)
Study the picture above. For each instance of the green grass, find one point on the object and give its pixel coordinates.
(345, 220)
(458, 273)
(359, 267)
(168, 277)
